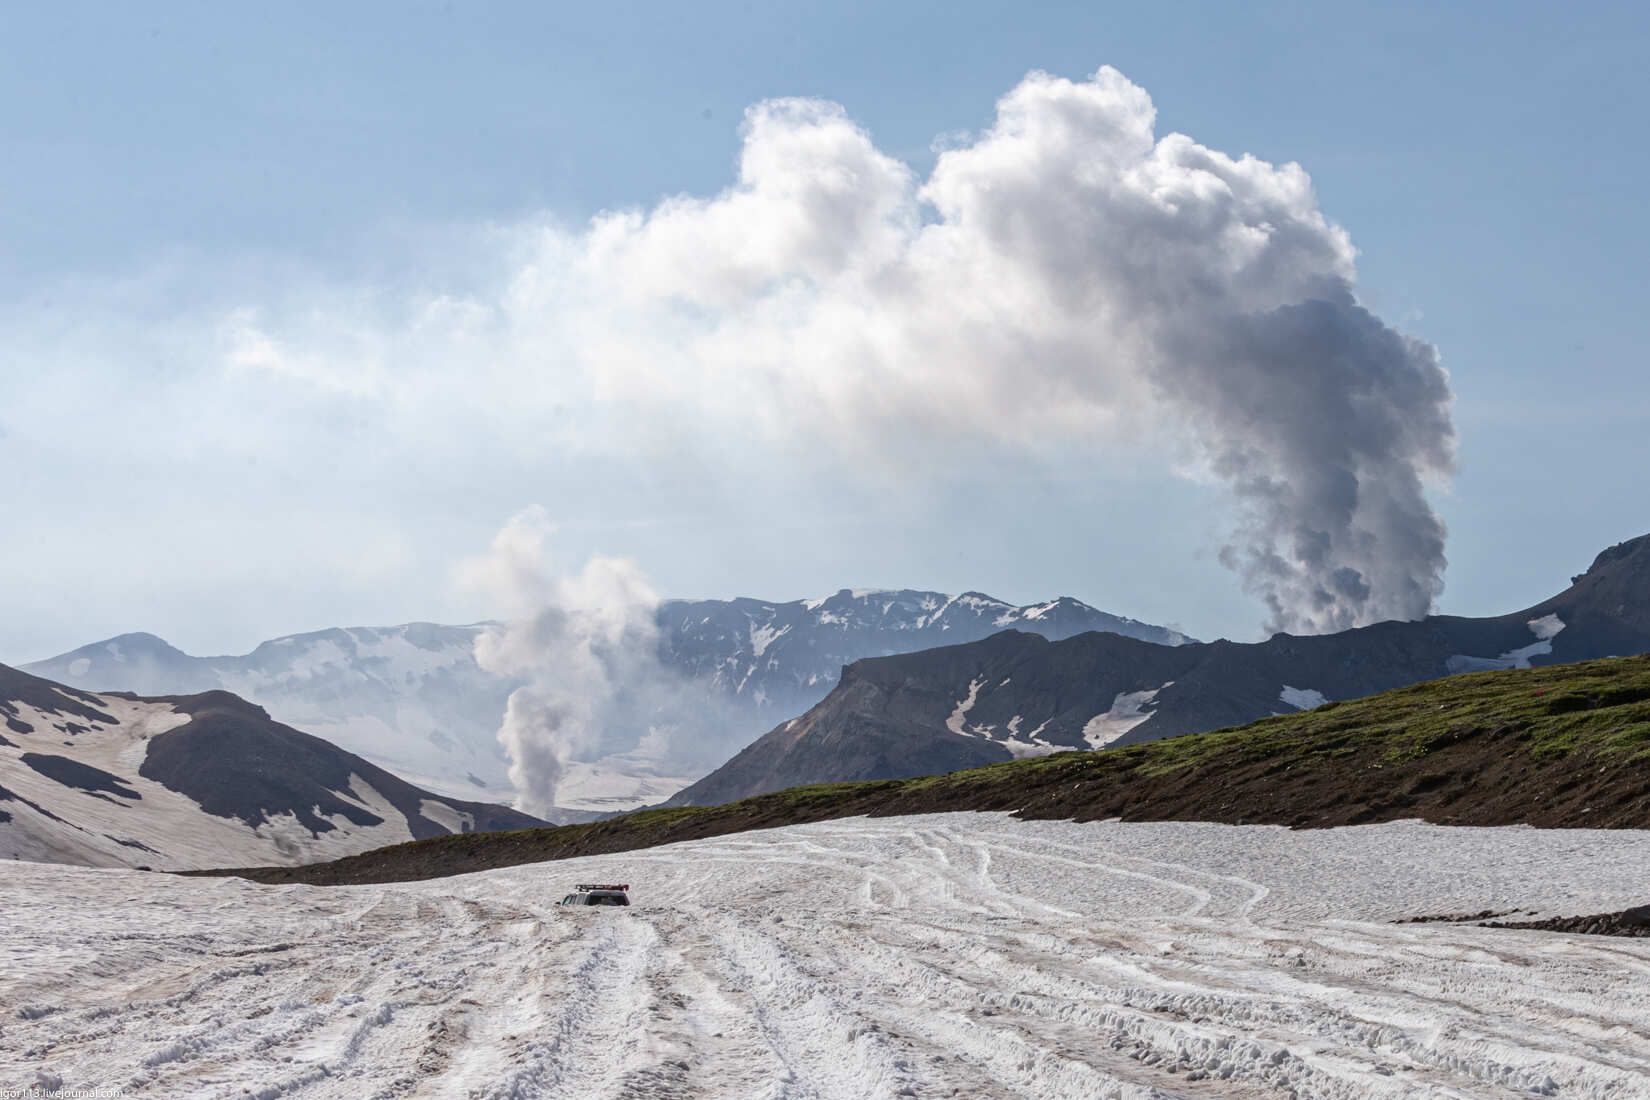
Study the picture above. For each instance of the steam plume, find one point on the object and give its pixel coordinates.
(1060, 272)
(1063, 280)
(586, 646)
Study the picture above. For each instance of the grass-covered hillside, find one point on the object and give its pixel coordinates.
(1562, 746)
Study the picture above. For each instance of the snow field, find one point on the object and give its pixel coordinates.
(959, 955)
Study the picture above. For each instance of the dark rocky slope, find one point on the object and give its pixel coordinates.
(1567, 746)
(236, 761)
(195, 780)
(1017, 694)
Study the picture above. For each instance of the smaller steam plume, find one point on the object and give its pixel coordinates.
(585, 647)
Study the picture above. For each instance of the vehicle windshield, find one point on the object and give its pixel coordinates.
(608, 899)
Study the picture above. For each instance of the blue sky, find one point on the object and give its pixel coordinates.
(180, 161)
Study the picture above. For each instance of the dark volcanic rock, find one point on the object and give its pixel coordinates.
(79, 753)
(19, 687)
(236, 761)
(1629, 922)
(72, 773)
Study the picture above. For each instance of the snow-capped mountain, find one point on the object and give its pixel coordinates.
(783, 657)
(409, 698)
(412, 699)
(1017, 694)
(195, 781)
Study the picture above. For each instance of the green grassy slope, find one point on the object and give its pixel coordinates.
(1563, 746)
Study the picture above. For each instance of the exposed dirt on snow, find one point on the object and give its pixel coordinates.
(963, 955)
(1633, 922)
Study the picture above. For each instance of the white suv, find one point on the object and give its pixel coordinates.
(599, 894)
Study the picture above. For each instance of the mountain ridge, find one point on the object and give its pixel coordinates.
(412, 699)
(1561, 747)
(117, 779)
(1013, 694)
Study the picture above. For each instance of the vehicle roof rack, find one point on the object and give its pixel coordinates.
(585, 888)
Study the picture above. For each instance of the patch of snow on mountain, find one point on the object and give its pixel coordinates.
(765, 635)
(1033, 745)
(1302, 698)
(445, 816)
(1024, 750)
(1545, 629)
(1127, 711)
(319, 656)
(964, 705)
(935, 613)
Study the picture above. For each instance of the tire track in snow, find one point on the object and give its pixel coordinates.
(585, 1032)
(828, 1051)
(1487, 1072)
(993, 958)
(1257, 892)
(977, 1044)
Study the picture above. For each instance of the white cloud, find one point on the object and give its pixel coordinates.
(1063, 276)
(1064, 281)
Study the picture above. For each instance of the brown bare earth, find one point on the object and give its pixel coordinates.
(1565, 746)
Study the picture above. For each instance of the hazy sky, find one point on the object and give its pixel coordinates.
(282, 296)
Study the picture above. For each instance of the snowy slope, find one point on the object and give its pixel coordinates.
(194, 781)
(412, 699)
(968, 955)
